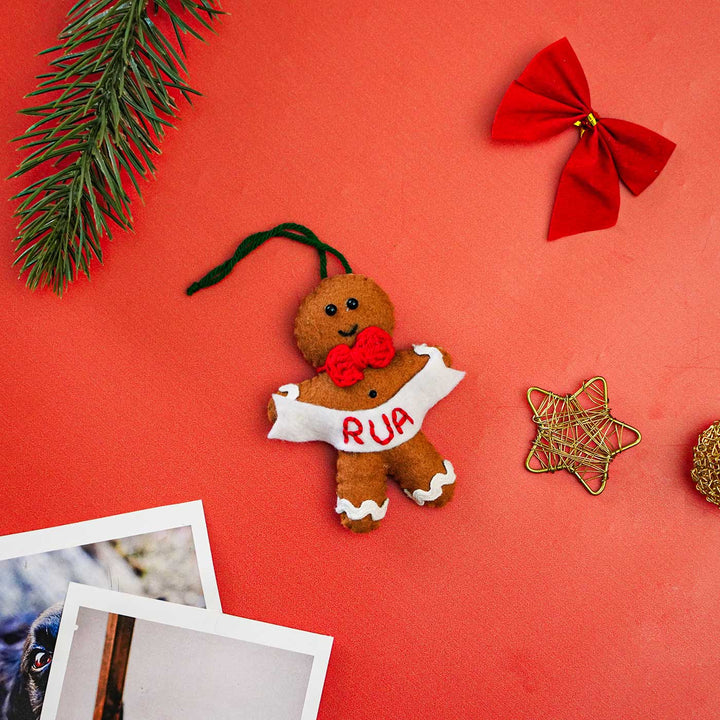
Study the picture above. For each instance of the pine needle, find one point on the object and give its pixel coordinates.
(109, 105)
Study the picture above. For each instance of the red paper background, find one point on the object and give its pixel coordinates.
(370, 123)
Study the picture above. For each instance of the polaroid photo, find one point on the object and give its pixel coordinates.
(123, 656)
(161, 553)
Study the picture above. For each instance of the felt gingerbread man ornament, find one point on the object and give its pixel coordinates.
(368, 400)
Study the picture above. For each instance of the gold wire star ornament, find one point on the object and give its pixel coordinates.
(577, 433)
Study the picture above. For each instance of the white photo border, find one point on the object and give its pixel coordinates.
(117, 527)
(191, 618)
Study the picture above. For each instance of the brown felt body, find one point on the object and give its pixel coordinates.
(363, 476)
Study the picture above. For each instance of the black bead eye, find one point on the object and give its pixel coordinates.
(352, 304)
(373, 393)
(330, 309)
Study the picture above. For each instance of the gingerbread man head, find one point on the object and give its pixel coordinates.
(337, 311)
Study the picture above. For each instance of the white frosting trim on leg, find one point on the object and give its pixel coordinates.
(367, 507)
(439, 480)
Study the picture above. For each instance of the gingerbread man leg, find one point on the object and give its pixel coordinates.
(421, 471)
(362, 500)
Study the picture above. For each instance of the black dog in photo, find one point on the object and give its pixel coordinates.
(26, 652)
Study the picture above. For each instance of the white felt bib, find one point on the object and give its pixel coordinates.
(381, 428)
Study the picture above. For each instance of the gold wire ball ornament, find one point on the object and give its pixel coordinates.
(706, 464)
(577, 433)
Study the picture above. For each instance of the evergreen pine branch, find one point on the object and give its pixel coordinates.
(109, 102)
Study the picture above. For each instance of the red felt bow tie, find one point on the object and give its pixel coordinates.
(551, 95)
(344, 364)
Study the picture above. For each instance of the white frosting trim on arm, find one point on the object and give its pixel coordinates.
(423, 349)
(291, 390)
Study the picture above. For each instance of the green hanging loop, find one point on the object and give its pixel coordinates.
(292, 231)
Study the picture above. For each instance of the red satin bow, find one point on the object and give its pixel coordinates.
(344, 364)
(552, 94)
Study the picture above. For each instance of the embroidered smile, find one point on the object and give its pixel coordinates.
(348, 333)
